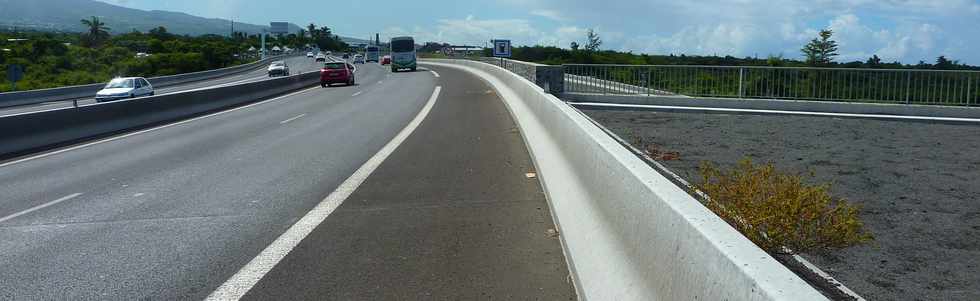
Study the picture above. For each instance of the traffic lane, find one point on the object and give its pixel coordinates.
(173, 213)
(302, 64)
(59, 173)
(451, 214)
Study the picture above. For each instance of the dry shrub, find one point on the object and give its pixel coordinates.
(776, 210)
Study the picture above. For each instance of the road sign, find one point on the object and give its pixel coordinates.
(501, 48)
(279, 27)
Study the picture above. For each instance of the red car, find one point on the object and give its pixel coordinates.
(386, 60)
(336, 73)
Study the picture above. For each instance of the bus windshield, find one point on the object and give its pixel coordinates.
(402, 46)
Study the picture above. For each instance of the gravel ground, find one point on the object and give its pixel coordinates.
(918, 184)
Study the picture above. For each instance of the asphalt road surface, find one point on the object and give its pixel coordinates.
(174, 213)
(916, 183)
(296, 65)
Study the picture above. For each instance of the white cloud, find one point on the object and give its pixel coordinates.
(904, 30)
(473, 31)
(547, 13)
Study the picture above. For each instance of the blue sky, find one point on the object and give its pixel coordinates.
(903, 30)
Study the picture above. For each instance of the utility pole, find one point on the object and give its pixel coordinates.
(263, 44)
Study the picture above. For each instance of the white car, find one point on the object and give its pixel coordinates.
(124, 87)
(278, 68)
(358, 59)
(320, 58)
(309, 54)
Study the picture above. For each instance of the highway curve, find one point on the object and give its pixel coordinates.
(177, 211)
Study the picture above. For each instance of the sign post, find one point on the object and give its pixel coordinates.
(501, 49)
(14, 73)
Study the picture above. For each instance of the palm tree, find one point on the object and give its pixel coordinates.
(97, 31)
(312, 30)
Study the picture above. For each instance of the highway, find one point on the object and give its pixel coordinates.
(449, 208)
(296, 65)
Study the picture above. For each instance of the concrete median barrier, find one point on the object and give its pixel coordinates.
(21, 98)
(628, 232)
(28, 132)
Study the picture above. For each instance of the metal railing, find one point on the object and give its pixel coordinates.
(800, 83)
(523, 69)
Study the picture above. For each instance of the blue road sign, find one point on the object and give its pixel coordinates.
(501, 48)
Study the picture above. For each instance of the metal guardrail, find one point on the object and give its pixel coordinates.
(29, 97)
(524, 69)
(934, 87)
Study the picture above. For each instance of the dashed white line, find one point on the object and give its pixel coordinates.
(356, 94)
(48, 154)
(291, 119)
(434, 73)
(243, 281)
(39, 207)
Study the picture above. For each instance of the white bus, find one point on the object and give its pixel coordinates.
(372, 54)
(403, 54)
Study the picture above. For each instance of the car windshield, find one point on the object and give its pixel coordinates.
(402, 46)
(278, 64)
(120, 83)
(334, 66)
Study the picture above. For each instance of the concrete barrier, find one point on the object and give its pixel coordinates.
(628, 232)
(27, 132)
(20, 98)
(782, 105)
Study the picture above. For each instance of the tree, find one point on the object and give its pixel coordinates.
(775, 60)
(874, 61)
(822, 50)
(312, 30)
(97, 32)
(593, 40)
(160, 33)
(942, 63)
(574, 46)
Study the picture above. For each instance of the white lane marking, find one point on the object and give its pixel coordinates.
(48, 154)
(356, 94)
(882, 116)
(434, 73)
(39, 207)
(291, 119)
(380, 81)
(243, 281)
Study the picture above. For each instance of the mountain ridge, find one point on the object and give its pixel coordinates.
(64, 16)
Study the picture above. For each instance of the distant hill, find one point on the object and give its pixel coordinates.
(64, 16)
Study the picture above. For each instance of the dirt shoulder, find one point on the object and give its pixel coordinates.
(918, 184)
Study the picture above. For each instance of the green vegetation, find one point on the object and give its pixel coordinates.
(65, 59)
(822, 49)
(778, 210)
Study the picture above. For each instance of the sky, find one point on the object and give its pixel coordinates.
(896, 30)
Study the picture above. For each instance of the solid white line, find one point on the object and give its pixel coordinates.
(356, 94)
(48, 154)
(39, 207)
(291, 119)
(243, 281)
(879, 116)
(434, 73)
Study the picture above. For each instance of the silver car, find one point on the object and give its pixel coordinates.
(278, 68)
(124, 87)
